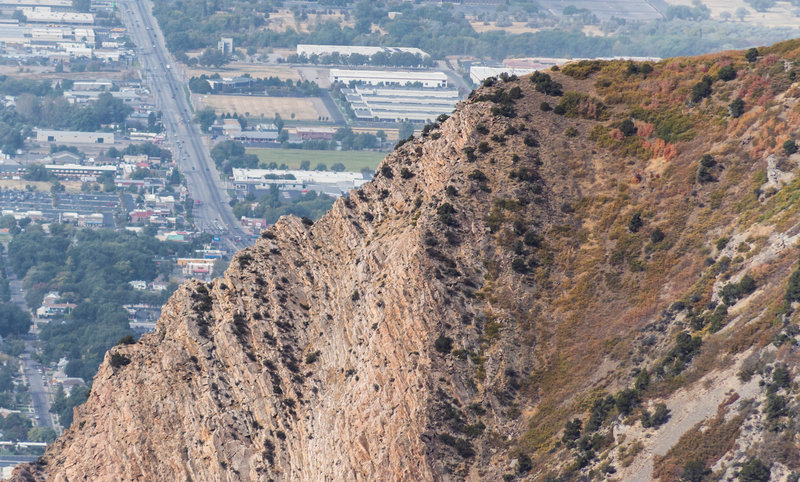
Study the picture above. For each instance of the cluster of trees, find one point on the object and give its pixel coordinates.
(444, 30)
(90, 268)
(12, 395)
(41, 104)
(230, 154)
(63, 404)
(697, 11)
(344, 138)
(14, 320)
(205, 117)
(270, 206)
(57, 113)
(394, 59)
(272, 86)
(148, 148)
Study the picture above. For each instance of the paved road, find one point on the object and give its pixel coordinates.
(39, 393)
(158, 70)
(336, 114)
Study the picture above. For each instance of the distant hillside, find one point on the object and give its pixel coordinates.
(585, 274)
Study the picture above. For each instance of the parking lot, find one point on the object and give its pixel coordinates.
(21, 202)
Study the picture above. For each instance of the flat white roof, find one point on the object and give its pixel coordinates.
(311, 49)
(301, 177)
(78, 167)
(389, 75)
(369, 91)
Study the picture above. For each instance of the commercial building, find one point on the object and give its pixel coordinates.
(196, 266)
(53, 4)
(51, 306)
(397, 105)
(230, 84)
(77, 171)
(44, 36)
(308, 50)
(389, 78)
(255, 137)
(323, 182)
(100, 85)
(48, 15)
(74, 137)
(315, 133)
(225, 45)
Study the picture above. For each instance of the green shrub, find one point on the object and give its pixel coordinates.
(477, 175)
(702, 89)
(545, 107)
(312, 357)
(635, 222)
(443, 344)
(532, 239)
(572, 432)
(578, 104)
(790, 147)
(470, 152)
(727, 73)
(754, 470)
(626, 400)
(695, 471)
(657, 235)
(736, 108)
(583, 69)
(659, 417)
(524, 464)
(599, 412)
(475, 429)
(387, 172)
(445, 213)
(531, 141)
(732, 292)
(642, 381)
(519, 265)
(126, 340)
(627, 127)
(751, 55)
(244, 260)
(545, 84)
(118, 360)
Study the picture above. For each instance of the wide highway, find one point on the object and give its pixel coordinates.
(189, 149)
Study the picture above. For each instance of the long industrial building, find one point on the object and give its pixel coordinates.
(309, 50)
(323, 182)
(48, 15)
(74, 137)
(397, 105)
(389, 78)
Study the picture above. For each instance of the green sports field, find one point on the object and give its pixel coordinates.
(352, 160)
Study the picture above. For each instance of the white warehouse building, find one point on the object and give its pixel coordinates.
(308, 50)
(389, 78)
(74, 137)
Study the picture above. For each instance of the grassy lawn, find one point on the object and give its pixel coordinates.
(352, 160)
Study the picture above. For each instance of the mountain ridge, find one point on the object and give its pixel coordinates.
(559, 249)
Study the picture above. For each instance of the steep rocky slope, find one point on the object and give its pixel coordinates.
(515, 295)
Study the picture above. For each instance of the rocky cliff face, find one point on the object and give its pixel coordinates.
(513, 296)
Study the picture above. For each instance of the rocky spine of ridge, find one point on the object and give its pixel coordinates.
(519, 266)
